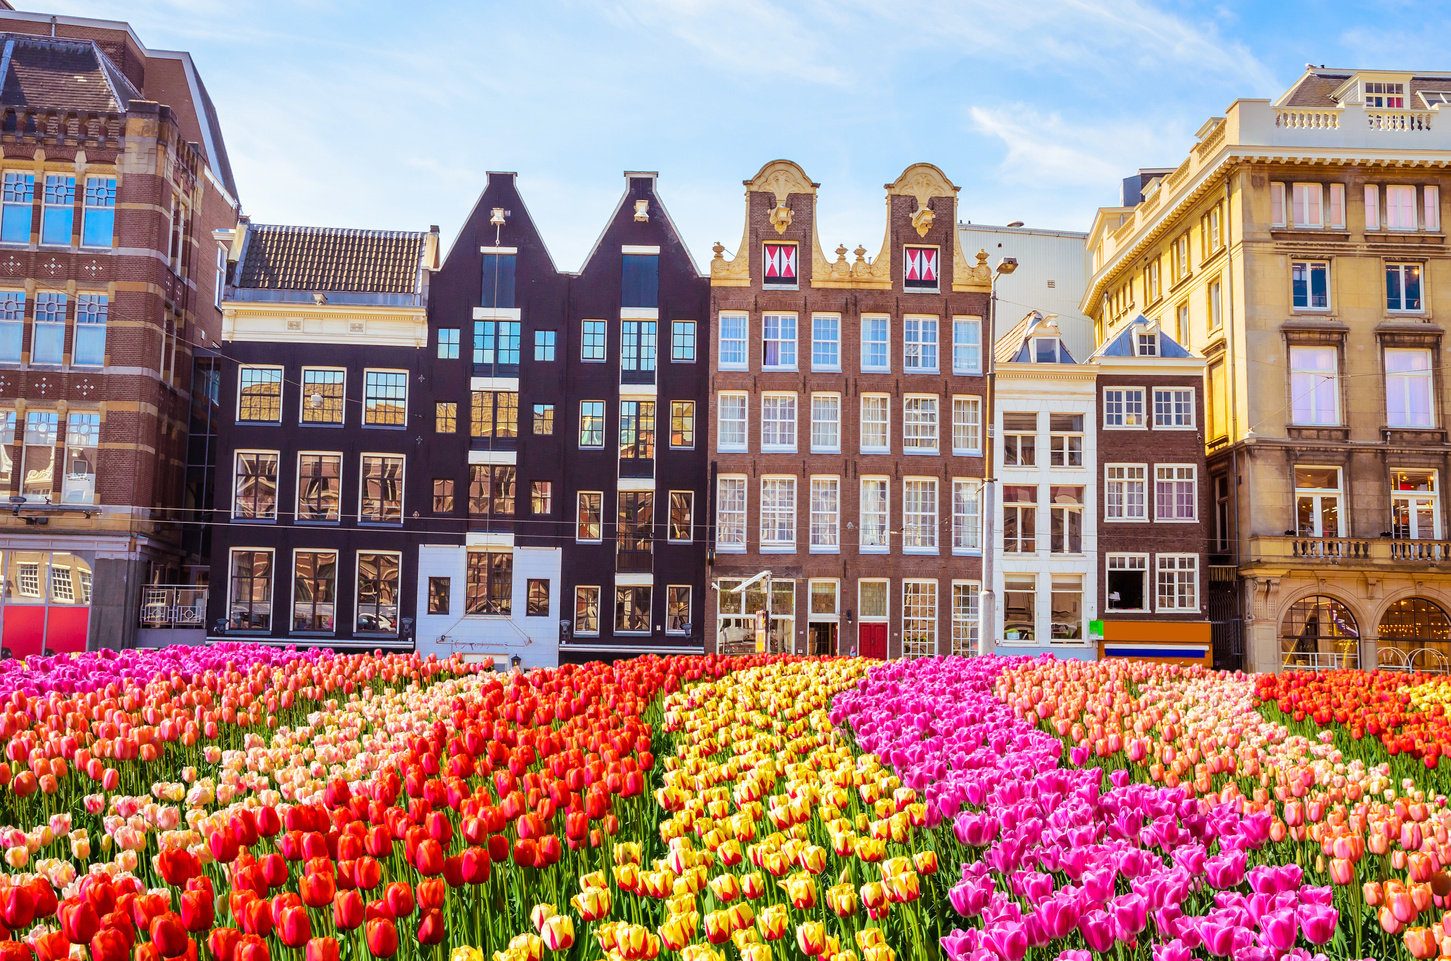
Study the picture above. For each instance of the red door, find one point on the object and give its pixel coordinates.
(872, 640)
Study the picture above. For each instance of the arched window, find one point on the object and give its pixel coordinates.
(1319, 633)
(1420, 630)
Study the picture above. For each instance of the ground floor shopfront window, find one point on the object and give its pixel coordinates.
(1414, 634)
(46, 606)
(1319, 632)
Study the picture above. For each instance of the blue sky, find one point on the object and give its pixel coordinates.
(350, 113)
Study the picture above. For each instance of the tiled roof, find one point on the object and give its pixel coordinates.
(1122, 344)
(331, 259)
(51, 73)
(1314, 89)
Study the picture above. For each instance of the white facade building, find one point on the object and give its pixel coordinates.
(1050, 277)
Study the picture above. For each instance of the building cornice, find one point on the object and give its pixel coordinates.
(324, 324)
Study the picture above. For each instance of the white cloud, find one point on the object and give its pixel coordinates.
(1045, 148)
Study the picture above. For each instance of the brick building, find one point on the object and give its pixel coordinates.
(114, 175)
(846, 428)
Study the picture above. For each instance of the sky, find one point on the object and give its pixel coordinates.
(363, 114)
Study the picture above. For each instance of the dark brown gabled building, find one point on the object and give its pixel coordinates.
(113, 177)
(846, 428)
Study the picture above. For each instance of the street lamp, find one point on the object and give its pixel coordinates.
(988, 610)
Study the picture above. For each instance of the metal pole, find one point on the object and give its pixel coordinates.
(987, 627)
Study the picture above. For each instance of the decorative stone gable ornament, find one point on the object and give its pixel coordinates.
(781, 217)
(642, 211)
(922, 219)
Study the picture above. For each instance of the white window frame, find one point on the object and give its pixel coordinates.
(271, 589)
(972, 365)
(920, 525)
(781, 340)
(1170, 400)
(1307, 206)
(1127, 561)
(1311, 267)
(1317, 496)
(1401, 268)
(724, 360)
(1177, 475)
(579, 497)
(402, 489)
(1414, 499)
(916, 438)
(883, 518)
(915, 330)
(833, 343)
(1397, 213)
(885, 366)
(966, 524)
(885, 616)
(825, 522)
(689, 607)
(886, 425)
(773, 511)
(734, 397)
(1125, 476)
(1183, 601)
(237, 456)
(578, 631)
(604, 426)
(1313, 416)
(364, 415)
(777, 424)
(912, 621)
(1408, 383)
(828, 439)
(737, 482)
(1118, 407)
(966, 626)
(967, 419)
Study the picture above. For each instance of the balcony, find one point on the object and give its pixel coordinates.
(1360, 552)
(173, 606)
(633, 561)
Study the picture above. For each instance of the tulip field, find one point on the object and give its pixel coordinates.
(247, 803)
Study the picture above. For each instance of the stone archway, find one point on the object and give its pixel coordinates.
(1319, 632)
(1418, 630)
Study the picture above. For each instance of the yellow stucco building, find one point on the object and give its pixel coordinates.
(1300, 248)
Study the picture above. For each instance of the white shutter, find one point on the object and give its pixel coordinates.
(1337, 205)
(1372, 207)
(1277, 204)
(1433, 206)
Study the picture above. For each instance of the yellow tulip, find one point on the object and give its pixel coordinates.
(772, 922)
(811, 938)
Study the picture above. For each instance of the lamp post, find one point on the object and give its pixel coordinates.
(988, 607)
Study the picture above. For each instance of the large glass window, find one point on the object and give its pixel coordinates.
(17, 206)
(632, 610)
(875, 515)
(1317, 502)
(1065, 505)
(1415, 508)
(876, 350)
(494, 414)
(876, 424)
(919, 423)
(778, 422)
(381, 500)
(1176, 492)
(733, 351)
(778, 512)
(12, 325)
(1310, 284)
(682, 424)
(1128, 582)
(496, 344)
(1314, 386)
(443, 495)
(448, 341)
(1020, 439)
(82, 443)
(967, 425)
(1178, 582)
(319, 479)
(919, 335)
(378, 579)
(1410, 389)
(1173, 407)
(314, 590)
(1319, 631)
(778, 342)
(635, 520)
(919, 618)
(90, 345)
(639, 345)
(587, 611)
(592, 341)
(1123, 407)
(440, 590)
(682, 342)
(919, 514)
(591, 424)
(966, 515)
(965, 599)
(543, 420)
(7, 447)
(1401, 207)
(825, 423)
(730, 513)
(1126, 492)
(249, 604)
(1065, 440)
(589, 516)
(731, 421)
(255, 488)
(637, 430)
(825, 514)
(536, 591)
(826, 342)
(640, 280)
(58, 213)
(677, 609)
(492, 490)
(966, 345)
(99, 223)
(385, 398)
(1403, 287)
(322, 396)
(1066, 608)
(682, 517)
(1020, 518)
(37, 456)
(498, 281)
(259, 395)
(544, 344)
(489, 583)
(50, 321)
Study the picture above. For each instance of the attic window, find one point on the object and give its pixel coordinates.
(1436, 98)
(1381, 94)
(1045, 350)
(1148, 345)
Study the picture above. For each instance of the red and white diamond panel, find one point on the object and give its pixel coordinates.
(780, 261)
(921, 266)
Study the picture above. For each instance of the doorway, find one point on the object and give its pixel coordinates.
(873, 640)
(823, 639)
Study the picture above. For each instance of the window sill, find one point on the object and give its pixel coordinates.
(1128, 610)
(777, 450)
(933, 372)
(967, 552)
(826, 370)
(877, 450)
(824, 550)
(778, 548)
(919, 452)
(727, 450)
(966, 373)
(921, 551)
(1126, 520)
(826, 450)
(874, 550)
(729, 549)
(773, 369)
(963, 453)
(876, 370)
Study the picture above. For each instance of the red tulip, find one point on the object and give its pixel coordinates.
(322, 949)
(99, 892)
(550, 850)
(44, 896)
(109, 944)
(378, 909)
(223, 845)
(382, 936)
(268, 822)
(222, 943)
(294, 927)
(347, 910)
(430, 894)
(453, 870)
(79, 921)
(399, 898)
(257, 918)
(253, 948)
(197, 910)
(429, 859)
(526, 853)
(17, 906)
(431, 928)
(178, 866)
(498, 848)
(52, 947)
(475, 865)
(168, 934)
(368, 873)
(274, 870)
(317, 890)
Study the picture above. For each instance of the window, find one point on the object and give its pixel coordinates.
(1382, 94)
(1173, 408)
(1020, 439)
(778, 342)
(587, 611)
(682, 342)
(92, 311)
(1065, 506)
(1317, 502)
(966, 515)
(1147, 345)
(543, 420)
(966, 345)
(1178, 580)
(826, 342)
(254, 489)
(319, 484)
(1403, 287)
(381, 499)
(1310, 284)
(1306, 205)
(919, 268)
(682, 517)
(1409, 388)
(876, 423)
(1128, 582)
(37, 456)
(496, 344)
(826, 423)
(1065, 440)
(1123, 407)
(1401, 208)
(1176, 492)
(592, 341)
(1337, 206)
(544, 341)
(873, 598)
(635, 520)
(967, 425)
(677, 609)
(1153, 285)
(17, 206)
(219, 279)
(7, 444)
(489, 583)
(536, 592)
(592, 424)
(1020, 519)
(12, 325)
(589, 516)
(314, 590)
(443, 495)
(541, 498)
(919, 618)
(778, 422)
(448, 341)
(919, 424)
(919, 515)
(1216, 318)
(439, 589)
(778, 265)
(640, 280)
(1415, 508)
(682, 424)
(1431, 195)
(825, 514)
(874, 521)
(385, 398)
(82, 442)
(730, 513)
(965, 598)
(1066, 608)
(498, 280)
(920, 337)
(58, 210)
(494, 413)
(637, 430)
(1049, 350)
(1314, 386)
(1181, 324)
(491, 490)
(1125, 492)
(638, 346)
(778, 512)
(632, 610)
(733, 355)
(1179, 258)
(249, 605)
(876, 351)
(1211, 232)
(322, 396)
(50, 318)
(731, 417)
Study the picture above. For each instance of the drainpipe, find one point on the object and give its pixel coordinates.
(987, 628)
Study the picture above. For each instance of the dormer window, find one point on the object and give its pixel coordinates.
(1045, 350)
(1381, 94)
(1148, 345)
(1436, 98)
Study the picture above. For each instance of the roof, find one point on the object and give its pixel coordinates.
(1016, 347)
(1124, 345)
(1318, 86)
(276, 257)
(57, 74)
